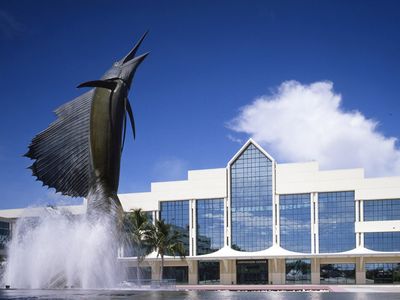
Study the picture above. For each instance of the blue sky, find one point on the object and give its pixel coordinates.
(331, 62)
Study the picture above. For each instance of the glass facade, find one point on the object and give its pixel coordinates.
(298, 271)
(251, 200)
(295, 222)
(252, 271)
(130, 250)
(208, 272)
(336, 222)
(382, 241)
(180, 274)
(210, 225)
(382, 273)
(4, 234)
(381, 210)
(149, 215)
(176, 213)
(338, 273)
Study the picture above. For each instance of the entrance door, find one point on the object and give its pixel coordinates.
(252, 271)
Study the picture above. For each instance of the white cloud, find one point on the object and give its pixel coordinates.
(234, 139)
(306, 122)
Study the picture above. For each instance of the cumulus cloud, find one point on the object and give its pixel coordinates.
(234, 139)
(306, 122)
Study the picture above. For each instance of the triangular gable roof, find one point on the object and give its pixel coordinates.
(244, 147)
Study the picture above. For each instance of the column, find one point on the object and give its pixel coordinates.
(276, 271)
(361, 220)
(276, 218)
(227, 211)
(360, 270)
(193, 226)
(315, 223)
(315, 271)
(227, 271)
(155, 269)
(193, 271)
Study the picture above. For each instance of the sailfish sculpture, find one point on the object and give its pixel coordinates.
(79, 154)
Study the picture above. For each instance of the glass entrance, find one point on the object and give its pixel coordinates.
(208, 272)
(252, 271)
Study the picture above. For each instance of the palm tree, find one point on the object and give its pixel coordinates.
(139, 230)
(166, 241)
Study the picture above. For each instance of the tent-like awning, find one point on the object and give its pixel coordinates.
(272, 252)
(229, 253)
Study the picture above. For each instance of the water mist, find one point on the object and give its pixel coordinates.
(58, 249)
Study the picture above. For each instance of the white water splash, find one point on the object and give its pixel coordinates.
(58, 250)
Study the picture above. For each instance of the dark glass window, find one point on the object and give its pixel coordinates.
(149, 215)
(208, 272)
(180, 274)
(382, 273)
(381, 210)
(210, 225)
(338, 274)
(295, 222)
(4, 234)
(336, 222)
(129, 250)
(145, 273)
(252, 271)
(251, 201)
(382, 241)
(176, 213)
(298, 271)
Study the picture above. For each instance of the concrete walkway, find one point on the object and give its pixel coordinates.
(295, 288)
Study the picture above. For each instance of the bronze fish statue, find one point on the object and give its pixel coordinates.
(79, 154)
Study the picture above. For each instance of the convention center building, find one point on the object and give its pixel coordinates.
(257, 221)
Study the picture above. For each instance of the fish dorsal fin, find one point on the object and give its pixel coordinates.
(124, 135)
(105, 84)
(130, 113)
(61, 152)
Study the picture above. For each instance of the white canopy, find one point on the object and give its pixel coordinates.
(272, 252)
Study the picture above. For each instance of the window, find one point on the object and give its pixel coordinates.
(176, 213)
(180, 274)
(381, 210)
(4, 234)
(208, 272)
(382, 241)
(295, 222)
(210, 225)
(145, 273)
(382, 273)
(336, 222)
(252, 271)
(251, 200)
(338, 273)
(298, 271)
(149, 215)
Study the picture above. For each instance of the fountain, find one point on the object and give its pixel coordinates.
(57, 250)
(79, 155)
